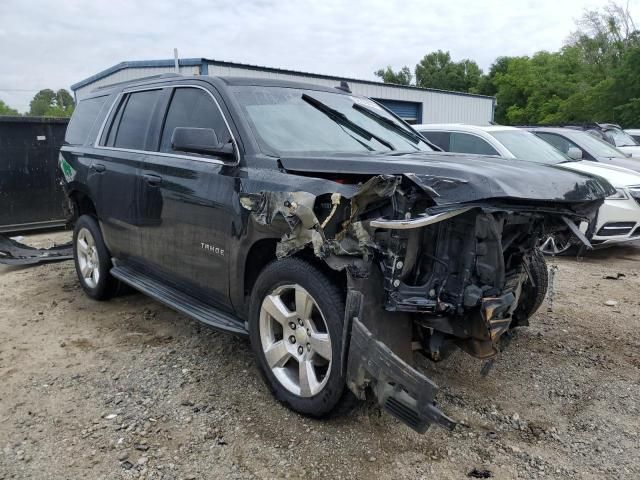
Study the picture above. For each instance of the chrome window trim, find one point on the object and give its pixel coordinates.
(117, 101)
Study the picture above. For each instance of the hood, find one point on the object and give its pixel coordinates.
(619, 177)
(628, 163)
(634, 150)
(457, 178)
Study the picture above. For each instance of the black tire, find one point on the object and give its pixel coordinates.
(330, 302)
(106, 286)
(533, 293)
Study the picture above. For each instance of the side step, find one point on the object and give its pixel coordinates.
(180, 301)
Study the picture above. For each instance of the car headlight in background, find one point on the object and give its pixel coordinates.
(619, 195)
(635, 192)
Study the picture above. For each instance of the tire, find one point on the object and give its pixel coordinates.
(90, 254)
(291, 359)
(533, 293)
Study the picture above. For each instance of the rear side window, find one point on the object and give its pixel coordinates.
(441, 139)
(84, 118)
(465, 143)
(135, 119)
(192, 107)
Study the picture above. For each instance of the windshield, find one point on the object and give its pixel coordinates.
(526, 146)
(621, 138)
(595, 146)
(292, 120)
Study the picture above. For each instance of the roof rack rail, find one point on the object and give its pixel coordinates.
(575, 125)
(150, 77)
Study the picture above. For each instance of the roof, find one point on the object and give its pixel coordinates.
(205, 62)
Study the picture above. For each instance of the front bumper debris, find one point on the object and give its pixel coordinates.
(15, 253)
(401, 390)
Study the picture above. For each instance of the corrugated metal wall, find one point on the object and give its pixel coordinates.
(437, 107)
(132, 74)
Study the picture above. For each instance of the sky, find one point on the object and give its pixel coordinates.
(53, 44)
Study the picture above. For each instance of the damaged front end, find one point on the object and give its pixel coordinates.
(423, 273)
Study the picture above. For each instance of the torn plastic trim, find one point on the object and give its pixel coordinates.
(16, 253)
(576, 231)
(417, 222)
(400, 390)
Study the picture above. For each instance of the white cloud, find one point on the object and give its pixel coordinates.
(48, 44)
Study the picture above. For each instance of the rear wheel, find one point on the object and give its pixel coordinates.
(92, 260)
(296, 317)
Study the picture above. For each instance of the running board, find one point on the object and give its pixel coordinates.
(180, 301)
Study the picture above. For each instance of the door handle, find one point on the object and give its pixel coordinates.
(98, 167)
(152, 179)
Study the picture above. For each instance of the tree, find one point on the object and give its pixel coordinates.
(7, 110)
(401, 77)
(438, 70)
(47, 103)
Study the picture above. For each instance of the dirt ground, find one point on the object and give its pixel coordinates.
(130, 389)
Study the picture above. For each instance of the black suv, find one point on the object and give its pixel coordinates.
(316, 223)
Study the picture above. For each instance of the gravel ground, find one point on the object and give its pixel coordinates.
(130, 389)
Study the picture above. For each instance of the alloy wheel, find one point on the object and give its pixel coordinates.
(88, 260)
(556, 244)
(295, 340)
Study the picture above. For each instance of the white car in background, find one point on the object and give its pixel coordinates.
(635, 133)
(618, 218)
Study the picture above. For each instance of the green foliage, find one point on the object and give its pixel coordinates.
(438, 70)
(47, 103)
(401, 77)
(7, 110)
(594, 77)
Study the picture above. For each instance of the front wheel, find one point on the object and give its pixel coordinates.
(295, 325)
(534, 289)
(558, 244)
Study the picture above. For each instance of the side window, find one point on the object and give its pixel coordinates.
(465, 143)
(192, 107)
(557, 141)
(130, 127)
(84, 118)
(441, 139)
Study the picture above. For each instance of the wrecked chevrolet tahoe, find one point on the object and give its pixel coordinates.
(316, 223)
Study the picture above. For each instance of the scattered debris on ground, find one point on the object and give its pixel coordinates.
(130, 389)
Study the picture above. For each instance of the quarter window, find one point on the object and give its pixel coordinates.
(192, 107)
(83, 119)
(137, 113)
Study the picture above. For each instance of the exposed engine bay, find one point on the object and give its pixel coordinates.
(420, 276)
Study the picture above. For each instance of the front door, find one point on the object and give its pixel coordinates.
(189, 202)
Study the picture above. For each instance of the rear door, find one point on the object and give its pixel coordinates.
(189, 201)
(115, 166)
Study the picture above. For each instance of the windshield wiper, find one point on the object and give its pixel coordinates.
(415, 138)
(341, 119)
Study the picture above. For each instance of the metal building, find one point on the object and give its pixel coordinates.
(415, 105)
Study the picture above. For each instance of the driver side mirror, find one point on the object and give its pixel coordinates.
(574, 153)
(200, 140)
